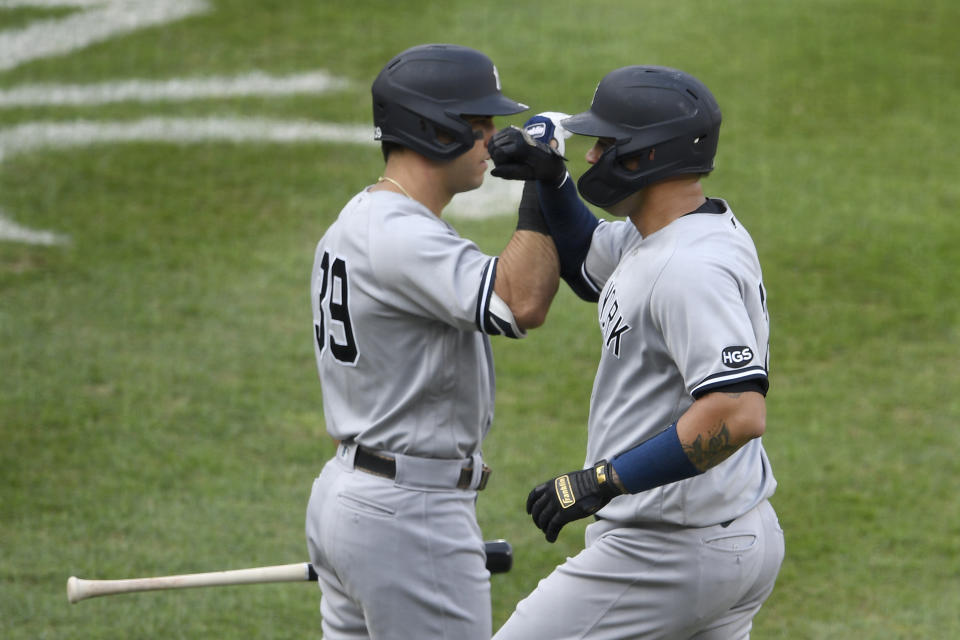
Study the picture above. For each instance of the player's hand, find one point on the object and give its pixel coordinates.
(518, 156)
(572, 496)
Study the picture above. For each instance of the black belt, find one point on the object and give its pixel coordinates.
(380, 464)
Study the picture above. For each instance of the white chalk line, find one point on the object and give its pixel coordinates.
(255, 83)
(99, 20)
(34, 136)
(495, 197)
(95, 23)
(30, 136)
(55, 135)
(13, 232)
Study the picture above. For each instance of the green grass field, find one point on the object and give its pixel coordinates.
(159, 407)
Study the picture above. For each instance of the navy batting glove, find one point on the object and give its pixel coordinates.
(517, 156)
(570, 497)
(546, 127)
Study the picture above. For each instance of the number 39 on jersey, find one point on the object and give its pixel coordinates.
(332, 326)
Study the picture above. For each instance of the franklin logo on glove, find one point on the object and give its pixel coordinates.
(564, 492)
(536, 130)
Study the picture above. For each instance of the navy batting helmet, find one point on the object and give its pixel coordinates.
(647, 109)
(426, 90)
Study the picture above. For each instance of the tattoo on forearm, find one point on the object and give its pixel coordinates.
(715, 450)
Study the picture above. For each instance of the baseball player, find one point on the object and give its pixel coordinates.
(685, 543)
(403, 308)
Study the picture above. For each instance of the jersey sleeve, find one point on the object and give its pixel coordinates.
(699, 309)
(609, 242)
(425, 268)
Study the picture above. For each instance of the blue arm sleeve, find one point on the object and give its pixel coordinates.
(571, 225)
(658, 461)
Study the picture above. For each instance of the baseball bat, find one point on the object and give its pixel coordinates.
(499, 560)
(79, 589)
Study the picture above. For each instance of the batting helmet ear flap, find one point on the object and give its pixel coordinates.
(407, 128)
(607, 182)
(614, 177)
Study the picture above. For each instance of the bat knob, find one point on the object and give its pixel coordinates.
(499, 556)
(72, 589)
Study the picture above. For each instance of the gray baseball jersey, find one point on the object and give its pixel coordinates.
(402, 310)
(402, 306)
(682, 312)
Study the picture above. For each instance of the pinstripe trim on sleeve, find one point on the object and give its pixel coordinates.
(585, 277)
(501, 317)
(729, 377)
(486, 288)
(493, 315)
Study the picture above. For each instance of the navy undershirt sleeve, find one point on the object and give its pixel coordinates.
(571, 225)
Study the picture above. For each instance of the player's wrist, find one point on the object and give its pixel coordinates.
(529, 215)
(608, 480)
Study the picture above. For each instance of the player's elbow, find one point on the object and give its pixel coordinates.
(531, 316)
(743, 415)
(530, 309)
(753, 427)
(750, 418)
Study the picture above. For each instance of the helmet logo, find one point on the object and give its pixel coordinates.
(377, 133)
(496, 77)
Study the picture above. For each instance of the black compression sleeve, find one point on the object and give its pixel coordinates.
(529, 214)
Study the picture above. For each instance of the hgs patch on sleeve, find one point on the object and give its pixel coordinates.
(736, 357)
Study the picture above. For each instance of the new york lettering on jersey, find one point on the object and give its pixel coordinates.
(612, 323)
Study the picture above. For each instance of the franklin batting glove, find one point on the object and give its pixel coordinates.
(546, 128)
(570, 497)
(517, 156)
